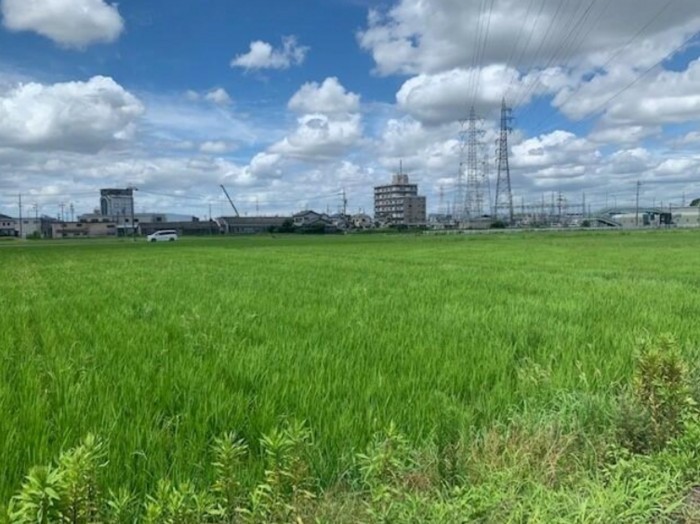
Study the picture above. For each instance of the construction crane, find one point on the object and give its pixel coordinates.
(230, 201)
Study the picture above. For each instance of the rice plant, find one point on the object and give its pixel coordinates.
(162, 349)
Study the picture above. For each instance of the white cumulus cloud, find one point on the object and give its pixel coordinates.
(328, 98)
(263, 55)
(319, 137)
(418, 36)
(72, 116)
(71, 23)
(218, 96)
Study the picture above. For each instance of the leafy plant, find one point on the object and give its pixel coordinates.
(39, 499)
(229, 453)
(286, 490)
(660, 399)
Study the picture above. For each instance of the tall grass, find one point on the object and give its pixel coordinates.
(161, 348)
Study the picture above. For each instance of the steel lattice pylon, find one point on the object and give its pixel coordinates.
(504, 195)
(474, 204)
(458, 206)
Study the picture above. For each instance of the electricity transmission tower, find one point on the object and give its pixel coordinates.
(459, 211)
(486, 175)
(474, 205)
(504, 195)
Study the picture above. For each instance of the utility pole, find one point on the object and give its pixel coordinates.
(72, 212)
(133, 225)
(37, 224)
(636, 210)
(63, 207)
(345, 203)
(20, 215)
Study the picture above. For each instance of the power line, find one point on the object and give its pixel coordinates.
(569, 44)
(482, 53)
(643, 74)
(620, 50)
(525, 93)
(527, 44)
(544, 40)
(519, 37)
(475, 53)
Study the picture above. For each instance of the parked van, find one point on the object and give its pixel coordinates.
(166, 235)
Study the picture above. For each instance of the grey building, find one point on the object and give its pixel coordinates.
(36, 226)
(186, 228)
(117, 204)
(251, 225)
(398, 203)
(7, 226)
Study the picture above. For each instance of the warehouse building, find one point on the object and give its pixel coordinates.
(251, 225)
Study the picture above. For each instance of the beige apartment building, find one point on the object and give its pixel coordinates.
(398, 203)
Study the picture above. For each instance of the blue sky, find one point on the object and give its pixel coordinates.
(290, 102)
(174, 46)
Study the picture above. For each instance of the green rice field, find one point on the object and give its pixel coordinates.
(160, 348)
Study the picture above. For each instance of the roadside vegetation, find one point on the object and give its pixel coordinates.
(486, 379)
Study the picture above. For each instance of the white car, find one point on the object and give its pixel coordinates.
(166, 235)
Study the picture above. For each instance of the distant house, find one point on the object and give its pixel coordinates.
(310, 221)
(341, 221)
(7, 226)
(362, 221)
(308, 217)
